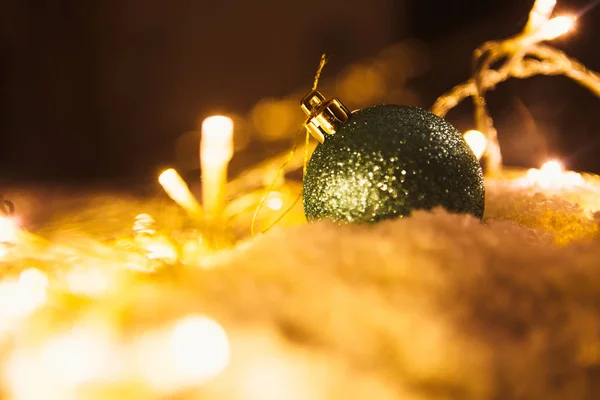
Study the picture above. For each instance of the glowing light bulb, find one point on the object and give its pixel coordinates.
(23, 367)
(19, 298)
(63, 363)
(216, 150)
(544, 6)
(8, 230)
(552, 168)
(14, 301)
(541, 11)
(552, 175)
(275, 202)
(88, 281)
(61, 366)
(217, 129)
(194, 351)
(179, 192)
(199, 348)
(476, 141)
(33, 277)
(217, 139)
(34, 283)
(548, 176)
(556, 27)
(77, 357)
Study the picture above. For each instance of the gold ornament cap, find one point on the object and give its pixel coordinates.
(324, 116)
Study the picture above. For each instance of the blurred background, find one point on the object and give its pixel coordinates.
(111, 91)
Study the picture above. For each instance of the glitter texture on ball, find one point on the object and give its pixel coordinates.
(389, 160)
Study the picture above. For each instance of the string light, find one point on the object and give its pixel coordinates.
(275, 201)
(552, 175)
(552, 168)
(216, 150)
(180, 193)
(36, 282)
(476, 141)
(217, 139)
(521, 56)
(540, 13)
(556, 27)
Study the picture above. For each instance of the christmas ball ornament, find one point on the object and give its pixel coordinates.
(384, 162)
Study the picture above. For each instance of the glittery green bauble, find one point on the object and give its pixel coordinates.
(389, 160)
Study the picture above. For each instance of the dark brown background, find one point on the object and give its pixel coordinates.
(100, 90)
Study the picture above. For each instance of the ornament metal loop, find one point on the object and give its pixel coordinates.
(324, 116)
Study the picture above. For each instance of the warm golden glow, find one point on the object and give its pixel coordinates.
(217, 128)
(199, 348)
(359, 83)
(161, 248)
(88, 281)
(178, 190)
(476, 141)
(62, 364)
(216, 150)
(8, 230)
(552, 175)
(275, 118)
(544, 7)
(275, 201)
(540, 13)
(76, 357)
(19, 298)
(552, 168)
(216, 145)
(34, 279)
(517, 56)
(556, 27)
(194, 351)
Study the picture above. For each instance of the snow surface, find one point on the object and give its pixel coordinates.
(435, 306)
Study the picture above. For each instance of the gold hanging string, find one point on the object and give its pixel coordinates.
(291, 154)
